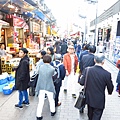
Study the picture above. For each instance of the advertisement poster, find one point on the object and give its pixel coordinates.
(117, 49)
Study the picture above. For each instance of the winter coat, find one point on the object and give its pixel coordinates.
(64, 48)
(22, 75)
(118, 77)
(118, 66)
(45, 81)
(86, 61)
(57, 49)
(67, 62)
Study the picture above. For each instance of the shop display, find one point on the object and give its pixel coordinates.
(2, 39)
(8, 66)
(7, 83)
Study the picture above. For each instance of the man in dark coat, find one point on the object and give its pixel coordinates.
(97, 80)
(84, 52)
(57, 47)
(88, 59)
(22, 78)
(64, 47)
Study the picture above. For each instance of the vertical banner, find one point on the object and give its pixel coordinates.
(117, 44)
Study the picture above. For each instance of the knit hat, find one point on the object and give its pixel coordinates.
(24, 50)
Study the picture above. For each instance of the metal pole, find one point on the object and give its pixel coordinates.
(95, 40)
(85, 30)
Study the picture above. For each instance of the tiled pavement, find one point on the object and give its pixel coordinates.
(65, 112)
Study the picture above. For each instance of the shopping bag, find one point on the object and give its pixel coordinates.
(80, 100)
(31, 91)
(33, 80)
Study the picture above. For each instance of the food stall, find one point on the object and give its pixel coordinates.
(7, 78)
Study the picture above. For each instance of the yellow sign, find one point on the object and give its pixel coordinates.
(48, 30)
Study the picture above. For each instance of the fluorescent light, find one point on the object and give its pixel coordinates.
(16, 9)
(11, 6)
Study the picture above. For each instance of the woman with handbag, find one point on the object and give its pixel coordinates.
(34, 77)
(45, 85)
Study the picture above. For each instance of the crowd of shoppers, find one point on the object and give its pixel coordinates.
(66, 55)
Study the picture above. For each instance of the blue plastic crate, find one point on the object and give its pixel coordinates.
(11, 78)
(7, 91)
(3, 81)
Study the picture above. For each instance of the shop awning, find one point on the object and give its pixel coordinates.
(32, 2)
(24, 4)
(39, 14)
(28, 14)
(3, 23)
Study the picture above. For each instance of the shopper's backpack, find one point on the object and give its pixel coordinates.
(56, 76)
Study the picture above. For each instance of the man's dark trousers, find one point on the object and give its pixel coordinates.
(94, 113)
(57, 89)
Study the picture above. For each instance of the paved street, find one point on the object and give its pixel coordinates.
(66, 111)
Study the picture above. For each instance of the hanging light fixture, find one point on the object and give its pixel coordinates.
(10, 5)
(16, 9)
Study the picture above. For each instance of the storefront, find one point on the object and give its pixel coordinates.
(3, 27)
(16, 32)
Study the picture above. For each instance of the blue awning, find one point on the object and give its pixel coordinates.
(31, 2)
(39, 14)
(36, 17)
(3, 1)
(28, 14)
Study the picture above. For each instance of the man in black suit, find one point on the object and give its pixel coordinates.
(97, 80)
(88, 59)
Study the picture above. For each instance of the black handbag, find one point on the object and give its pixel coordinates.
(81, 99)
(33, 80)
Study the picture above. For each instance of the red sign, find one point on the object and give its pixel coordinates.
(16, 21)
(19, 22)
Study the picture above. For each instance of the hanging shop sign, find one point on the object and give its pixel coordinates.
(19, 22)
(116, 52)
(16, 21)
(117, 49)
(36, 27)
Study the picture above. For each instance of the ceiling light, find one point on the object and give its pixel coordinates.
(11, 6)
(16, 9)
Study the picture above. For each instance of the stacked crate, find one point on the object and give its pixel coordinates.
(3, 65)
(6, 67)
(9, 68)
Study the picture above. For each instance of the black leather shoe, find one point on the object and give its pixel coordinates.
(74, 95)
(65, 90)
(39, 118)
(82, 110)
(53, 113)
